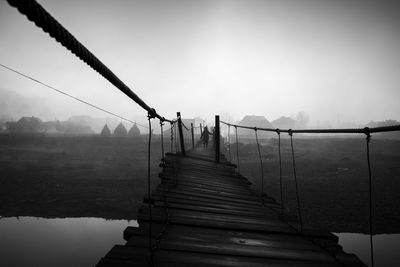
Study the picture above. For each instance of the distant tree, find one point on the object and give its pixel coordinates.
(120, 131)
(134, 131)
(106, 131)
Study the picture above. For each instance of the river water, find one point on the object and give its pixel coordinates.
(386, 248)
(29, 241)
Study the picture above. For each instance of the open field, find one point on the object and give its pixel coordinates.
(106, 177)
(74, 176)
(332, 175)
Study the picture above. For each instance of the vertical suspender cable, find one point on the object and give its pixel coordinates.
(164, 181)
(295, 181)
(368, 134)
(176, 144)
(149, 189)
(262, 168)
(237, 150)
(172, 136)
(280, 169)
(229, 143)
(162, 140)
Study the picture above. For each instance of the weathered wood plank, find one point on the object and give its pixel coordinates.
(164, 257)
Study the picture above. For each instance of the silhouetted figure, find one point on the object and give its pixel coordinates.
(205, 136)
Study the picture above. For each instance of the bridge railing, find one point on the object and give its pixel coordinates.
(365, 131)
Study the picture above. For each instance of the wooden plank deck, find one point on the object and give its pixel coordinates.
(215, 219)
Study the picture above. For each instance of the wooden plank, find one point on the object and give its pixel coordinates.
(205, 202)
(232, 248)
(229, 210)
(222, 235)
(217, 223)
(190, 194)
(178, 258)
(212, 193)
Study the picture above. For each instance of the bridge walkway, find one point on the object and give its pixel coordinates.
(213, 218)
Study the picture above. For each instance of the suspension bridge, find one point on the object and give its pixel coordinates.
(204, 211)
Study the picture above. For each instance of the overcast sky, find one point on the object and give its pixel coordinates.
(334, 60)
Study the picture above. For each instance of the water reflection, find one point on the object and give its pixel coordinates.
(386, 248)
(29, 241)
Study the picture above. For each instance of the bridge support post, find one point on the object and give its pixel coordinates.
(181, 140)
(217, 138)
(192, 130)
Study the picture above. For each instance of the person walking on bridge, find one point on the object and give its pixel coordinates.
(205, 136)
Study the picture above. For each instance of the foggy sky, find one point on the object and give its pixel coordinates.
(335, 60)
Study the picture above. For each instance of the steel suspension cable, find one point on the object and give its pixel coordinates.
(368, 140)
(295, 182)
(261, 163)
(280, 169)
(237, 150)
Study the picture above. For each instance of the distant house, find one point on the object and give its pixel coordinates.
(134, 131)
(53, 127)
(254, 121)
(120, 131)
(284, 123)
(105, 131)
(26, 125)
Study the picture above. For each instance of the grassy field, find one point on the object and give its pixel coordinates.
(74, 176)
(90, 176)
(332, 175)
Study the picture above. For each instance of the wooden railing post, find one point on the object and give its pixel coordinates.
(181, 140)
(192, 129)
(216, 138)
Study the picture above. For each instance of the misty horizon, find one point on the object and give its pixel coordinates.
(14, 106)
(337, 62)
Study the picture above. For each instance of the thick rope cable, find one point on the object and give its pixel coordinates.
(368, 140)
(280, 169)
(237, 150)
(261, 165)
(71, 96)
(37, 14)
(295, 182)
